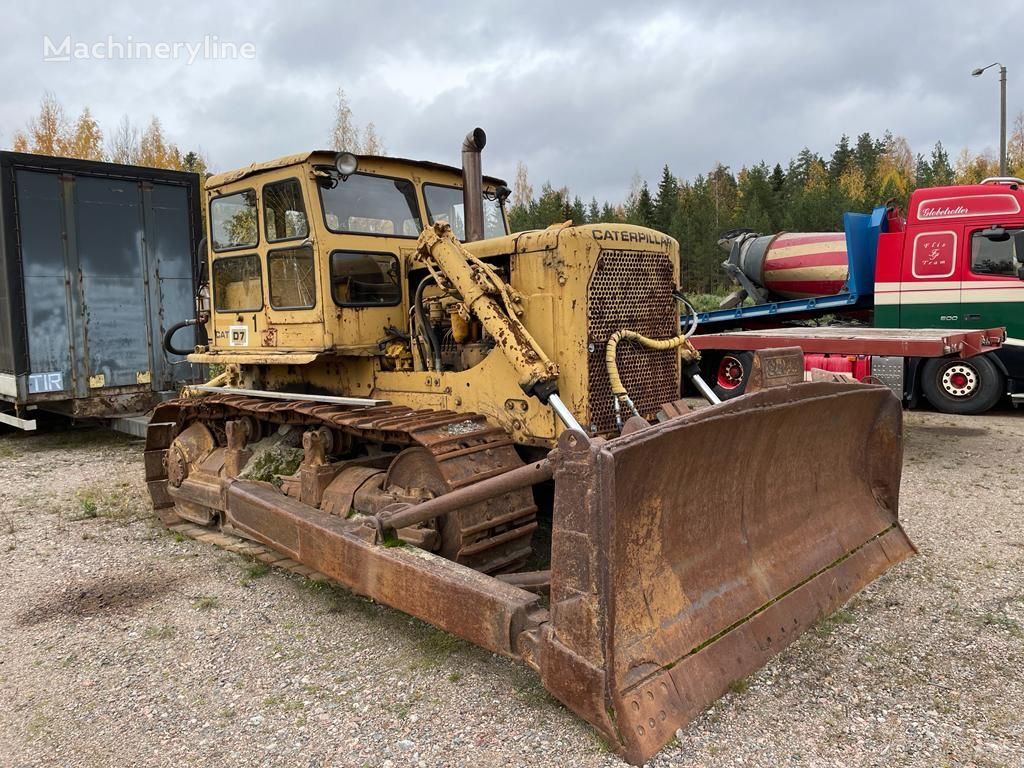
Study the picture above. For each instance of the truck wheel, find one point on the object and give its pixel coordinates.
(966, 387)
(731, 376)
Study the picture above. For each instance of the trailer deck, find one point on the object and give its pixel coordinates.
(860, 340)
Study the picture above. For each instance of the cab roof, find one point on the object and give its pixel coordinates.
(990, 199)
(325, 155)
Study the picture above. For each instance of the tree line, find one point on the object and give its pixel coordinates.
(52, 131)
(809, 194)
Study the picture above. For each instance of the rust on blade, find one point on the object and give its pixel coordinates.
(668, 585)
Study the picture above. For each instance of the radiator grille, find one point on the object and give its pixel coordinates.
(631, 290)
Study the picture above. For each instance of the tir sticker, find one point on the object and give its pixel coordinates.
(934, 254)
(238, 335)
(45, 382)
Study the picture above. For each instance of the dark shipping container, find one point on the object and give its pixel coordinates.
(97, 261)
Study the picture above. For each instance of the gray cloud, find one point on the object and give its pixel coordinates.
(586, 93)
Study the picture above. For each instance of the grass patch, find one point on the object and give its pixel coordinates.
(89, 507)
(162, 632)
(205, 603)
(37, 724)
(531, 690)
(121, 502)
(1004, 622)
(739, 687)
(7, 451)
(437, 646)
(255, 569)
(833, 621)
(705, 302)
(454, 677)
(282, 703)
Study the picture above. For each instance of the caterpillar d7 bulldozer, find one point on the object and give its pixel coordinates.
(484, 430)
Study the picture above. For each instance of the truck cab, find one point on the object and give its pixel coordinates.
(955, 261)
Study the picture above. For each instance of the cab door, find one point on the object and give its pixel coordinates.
(933, 263)
(992, 293)
(293, 315)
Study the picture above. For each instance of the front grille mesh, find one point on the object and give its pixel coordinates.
(631, 290)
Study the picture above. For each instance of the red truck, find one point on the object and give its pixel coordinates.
(920, 300)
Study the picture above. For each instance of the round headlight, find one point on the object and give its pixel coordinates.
(346, 163)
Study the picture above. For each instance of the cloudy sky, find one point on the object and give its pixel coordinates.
(585, 93)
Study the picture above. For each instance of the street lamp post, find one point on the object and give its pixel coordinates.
(1002, 111)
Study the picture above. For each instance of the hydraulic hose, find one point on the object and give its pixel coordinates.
(168, 343)
(428, 330)
(619, 393)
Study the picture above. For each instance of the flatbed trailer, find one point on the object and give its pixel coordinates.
(856, 340)
(900, 358)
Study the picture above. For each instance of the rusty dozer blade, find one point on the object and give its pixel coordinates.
(686, 554)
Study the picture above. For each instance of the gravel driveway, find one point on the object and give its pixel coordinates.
(122, 644)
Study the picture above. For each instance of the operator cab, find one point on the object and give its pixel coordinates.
(313, 252)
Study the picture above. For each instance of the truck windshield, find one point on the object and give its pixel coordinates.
(372, 205)
(445, 204)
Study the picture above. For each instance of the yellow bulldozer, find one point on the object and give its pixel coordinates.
(484, 429)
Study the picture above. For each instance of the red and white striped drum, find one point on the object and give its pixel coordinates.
(798, 265)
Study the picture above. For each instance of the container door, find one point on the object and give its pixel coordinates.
(111, 254)
(47, 295)
(169, 250)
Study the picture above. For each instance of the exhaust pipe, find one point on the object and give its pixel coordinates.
(473, 184)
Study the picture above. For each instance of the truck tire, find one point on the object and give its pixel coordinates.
(966, 387)
(729, 377)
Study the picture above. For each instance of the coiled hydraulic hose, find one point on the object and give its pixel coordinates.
(619, 393)
(690, 356)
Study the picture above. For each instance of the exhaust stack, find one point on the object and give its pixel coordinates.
(473, 184)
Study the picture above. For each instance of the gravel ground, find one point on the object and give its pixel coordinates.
(122, 644)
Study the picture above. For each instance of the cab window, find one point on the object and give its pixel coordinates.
(993, 252)
(446, 204)
(233, 221)
(237, 284)
(361, 279)
(372, 205)
(284, 212)
(292, 278)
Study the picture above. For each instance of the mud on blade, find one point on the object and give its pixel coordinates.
(687, 554)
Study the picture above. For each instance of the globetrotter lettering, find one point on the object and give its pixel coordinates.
(947, 211)
(633, 236)
(969, 206)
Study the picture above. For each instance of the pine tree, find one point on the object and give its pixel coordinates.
(941, 171)
(922, 171)
(578, 213)
(642, 212)
(666, 200)
(841, 157)
(593, 212)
